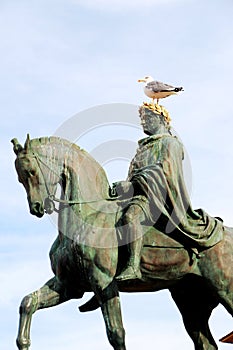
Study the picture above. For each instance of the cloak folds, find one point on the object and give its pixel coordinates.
(156, 173)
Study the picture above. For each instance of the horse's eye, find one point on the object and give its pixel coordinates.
(32, 172)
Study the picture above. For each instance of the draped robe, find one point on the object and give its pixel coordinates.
(156, 173)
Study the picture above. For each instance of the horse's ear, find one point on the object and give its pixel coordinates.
(27, 143)
(17, 146)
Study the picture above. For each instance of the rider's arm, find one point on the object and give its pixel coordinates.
(171, 157)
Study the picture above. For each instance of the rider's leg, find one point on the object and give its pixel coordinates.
(130, 226)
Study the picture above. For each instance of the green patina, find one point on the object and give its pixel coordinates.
(87, 254)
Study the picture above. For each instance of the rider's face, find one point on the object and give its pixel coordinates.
(150, 124)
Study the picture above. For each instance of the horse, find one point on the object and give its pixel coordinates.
(87, 253)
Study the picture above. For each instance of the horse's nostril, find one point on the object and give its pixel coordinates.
(37, 209)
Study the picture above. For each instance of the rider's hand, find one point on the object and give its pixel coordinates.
(123, 188)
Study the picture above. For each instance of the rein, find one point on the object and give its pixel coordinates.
(63, 201)
(50, 206)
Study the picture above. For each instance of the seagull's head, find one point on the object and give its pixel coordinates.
(147, 79)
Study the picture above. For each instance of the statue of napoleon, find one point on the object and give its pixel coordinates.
(157, 194)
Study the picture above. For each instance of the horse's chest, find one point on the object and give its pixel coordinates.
(65, 262)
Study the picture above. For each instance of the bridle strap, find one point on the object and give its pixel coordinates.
(49, 201)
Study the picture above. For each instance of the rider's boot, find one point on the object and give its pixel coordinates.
(132, 269)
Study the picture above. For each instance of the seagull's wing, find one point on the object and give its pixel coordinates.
(158, 86)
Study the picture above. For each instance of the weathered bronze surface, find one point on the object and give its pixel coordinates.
(88, 253)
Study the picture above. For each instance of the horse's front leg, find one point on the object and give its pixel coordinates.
(113, 320)
(27, 308)
(111, 310)
(50, 294)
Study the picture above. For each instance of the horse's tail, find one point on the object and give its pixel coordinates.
(91, 305)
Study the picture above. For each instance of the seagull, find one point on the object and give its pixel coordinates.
(156, 89)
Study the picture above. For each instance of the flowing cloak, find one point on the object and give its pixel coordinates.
(156, 173)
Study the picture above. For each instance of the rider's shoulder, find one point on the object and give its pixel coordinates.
(171, 143)
(165, 139)
(170, 140)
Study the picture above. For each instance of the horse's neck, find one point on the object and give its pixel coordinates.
(85, 179)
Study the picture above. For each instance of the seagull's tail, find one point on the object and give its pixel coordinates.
(177, 89)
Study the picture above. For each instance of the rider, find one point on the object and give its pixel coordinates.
(157, 195)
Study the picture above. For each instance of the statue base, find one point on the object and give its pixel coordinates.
(227, 339)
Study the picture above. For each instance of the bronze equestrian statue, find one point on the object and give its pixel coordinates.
(145, 239)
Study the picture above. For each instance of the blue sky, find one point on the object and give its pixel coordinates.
(59, 58)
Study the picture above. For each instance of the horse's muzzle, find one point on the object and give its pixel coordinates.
(37, 209)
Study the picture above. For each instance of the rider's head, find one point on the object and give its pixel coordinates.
(153, 122)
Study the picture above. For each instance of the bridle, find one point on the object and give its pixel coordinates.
(49, 204)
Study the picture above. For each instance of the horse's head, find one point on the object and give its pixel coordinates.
(36, 173)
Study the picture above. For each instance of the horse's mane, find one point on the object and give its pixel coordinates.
(62, 144)
(41, 141)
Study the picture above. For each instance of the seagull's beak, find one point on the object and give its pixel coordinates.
(141, 81)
